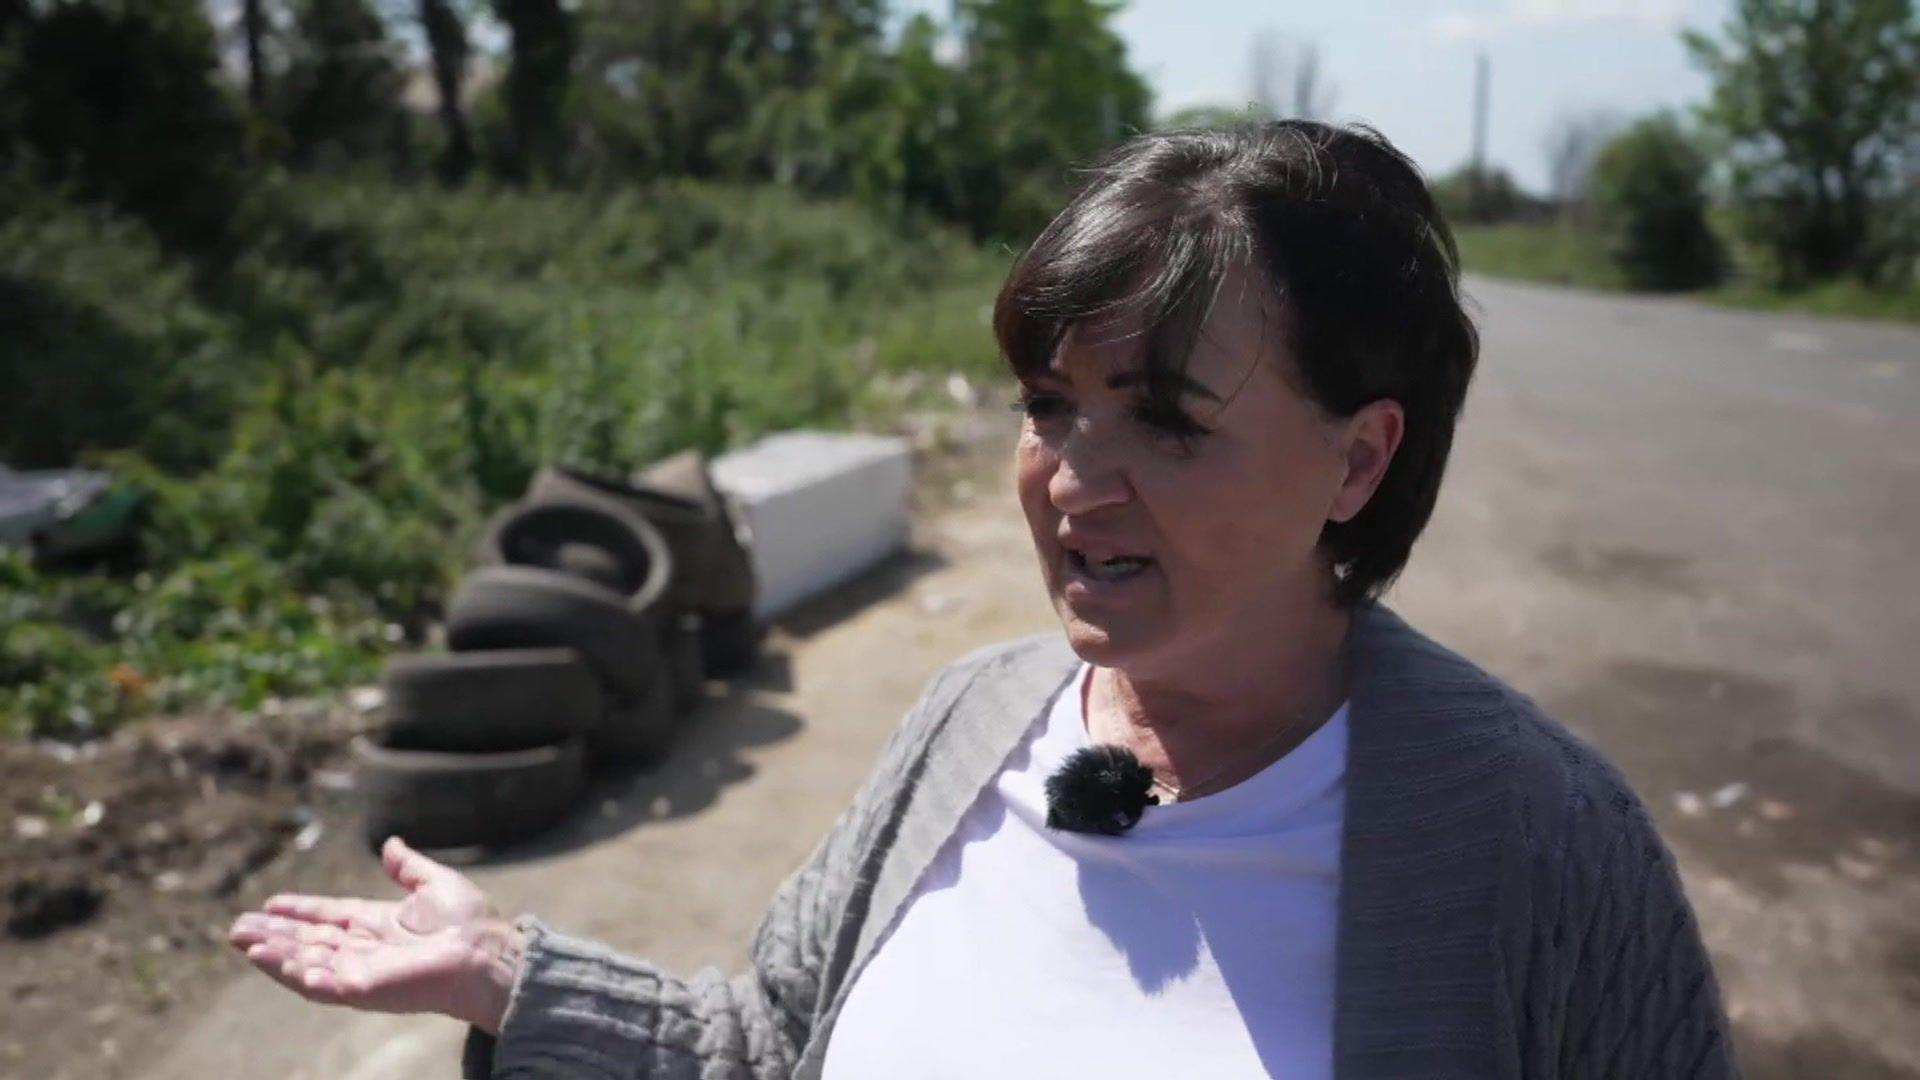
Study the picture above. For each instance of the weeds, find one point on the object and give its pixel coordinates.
(383, 368)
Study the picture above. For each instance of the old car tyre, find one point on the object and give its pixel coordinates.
(435, 799)
(685, 664)
(686, 525)
(729, 642)
(490, 701)
(596, 564)
(510, 607)
(637, 730)
(605, 544)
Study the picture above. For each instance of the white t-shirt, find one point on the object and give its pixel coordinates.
(1200, 944)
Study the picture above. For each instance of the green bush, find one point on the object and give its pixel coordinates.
(118, 100)
(1648, 191)
(1487, 196)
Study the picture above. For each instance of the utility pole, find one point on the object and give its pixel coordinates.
(1480, 80)
(1477, 182)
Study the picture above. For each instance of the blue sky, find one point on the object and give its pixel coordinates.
(1406, 66)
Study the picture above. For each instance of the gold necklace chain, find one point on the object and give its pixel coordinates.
(1177, 792)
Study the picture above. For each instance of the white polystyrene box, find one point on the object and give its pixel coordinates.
(817, 508)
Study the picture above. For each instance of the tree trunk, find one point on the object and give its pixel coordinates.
(537, 83)
(253, 27)
(447, 39)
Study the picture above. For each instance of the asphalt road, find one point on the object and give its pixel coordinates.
(1687, 532)
(1690, 534)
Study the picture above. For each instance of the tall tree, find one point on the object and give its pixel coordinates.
(117, 99)
(538, 79)
(1818, 100)
(1043, 86)
(342, 96)
(446, 33)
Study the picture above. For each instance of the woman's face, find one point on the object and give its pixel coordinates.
(1162, 543)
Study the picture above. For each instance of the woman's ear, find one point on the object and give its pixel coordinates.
(1372, 436)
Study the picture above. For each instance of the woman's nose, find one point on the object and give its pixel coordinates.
(1088, 475)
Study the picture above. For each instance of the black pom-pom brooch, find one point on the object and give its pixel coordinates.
(1099, 789)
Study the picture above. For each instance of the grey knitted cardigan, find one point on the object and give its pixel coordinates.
(1506, 908)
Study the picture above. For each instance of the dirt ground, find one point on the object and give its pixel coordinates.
(1687, 534)
(121, 862)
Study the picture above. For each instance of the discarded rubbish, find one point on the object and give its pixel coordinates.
(309, 835)
(333, 779)
(1728, 795)
(62, 512)
(939, 603)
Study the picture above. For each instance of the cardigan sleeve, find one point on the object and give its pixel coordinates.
(1644, 1002)
(581, 1010)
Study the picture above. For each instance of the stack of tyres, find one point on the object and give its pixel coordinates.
(558, 665)
(596, 613)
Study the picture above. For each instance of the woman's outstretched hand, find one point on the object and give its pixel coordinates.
(443, 948)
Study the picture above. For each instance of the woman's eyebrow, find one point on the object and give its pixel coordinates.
(1187, 383)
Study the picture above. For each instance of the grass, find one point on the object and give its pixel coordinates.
(1562, 254)
(1554, 253)
(1848, 298)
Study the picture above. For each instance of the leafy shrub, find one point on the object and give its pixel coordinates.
(103, 343)
(117, 99)
(1648, 191)
(1485, 196)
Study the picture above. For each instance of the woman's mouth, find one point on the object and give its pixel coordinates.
(1108, 571)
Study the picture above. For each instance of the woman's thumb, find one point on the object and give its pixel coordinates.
(407, 867)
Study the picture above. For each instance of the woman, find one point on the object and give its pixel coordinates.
(1241, 354)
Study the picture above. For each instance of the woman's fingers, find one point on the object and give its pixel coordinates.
(348, 912)
(407, 867)
(268, 955)
(312, 969)
(323, 986)
(332, 964)
(253, 927)
(308, 973)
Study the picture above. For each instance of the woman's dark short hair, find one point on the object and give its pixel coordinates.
(1341, 227)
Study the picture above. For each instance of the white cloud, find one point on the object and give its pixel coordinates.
(1453, 27)
(1655, 14)
(1456, 27)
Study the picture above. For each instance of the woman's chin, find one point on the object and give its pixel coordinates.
(1102, 643)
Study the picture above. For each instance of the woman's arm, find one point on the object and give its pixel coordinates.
(565, 1006)
(577, 1009)
(1643, 1001)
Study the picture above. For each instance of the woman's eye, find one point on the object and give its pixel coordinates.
(1040, 406)
(1168, 421)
